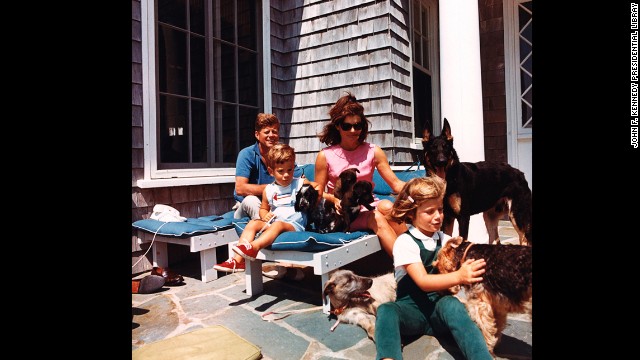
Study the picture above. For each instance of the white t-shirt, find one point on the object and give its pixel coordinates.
(406, 251)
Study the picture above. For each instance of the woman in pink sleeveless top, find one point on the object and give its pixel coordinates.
(345, 135)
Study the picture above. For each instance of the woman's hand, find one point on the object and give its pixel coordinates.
(337, 203)
(470, 271)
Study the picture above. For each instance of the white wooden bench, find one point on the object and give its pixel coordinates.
(322, 262)
(205, 244)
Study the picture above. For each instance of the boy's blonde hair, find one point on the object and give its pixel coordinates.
(280, 153)
(413, 193)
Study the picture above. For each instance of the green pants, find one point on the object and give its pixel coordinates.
(446, 316)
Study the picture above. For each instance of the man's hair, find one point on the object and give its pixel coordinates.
(413, 193)
(280, 153)
(263, 120)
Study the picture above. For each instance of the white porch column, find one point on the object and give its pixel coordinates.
(461, 88)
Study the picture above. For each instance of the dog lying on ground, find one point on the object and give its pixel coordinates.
(488, 187)
(355, 298)
(506, 286)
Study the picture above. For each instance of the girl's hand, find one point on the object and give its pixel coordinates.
(471, 270)
(267, 217)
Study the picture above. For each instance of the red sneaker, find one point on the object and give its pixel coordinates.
(230, 266)
(246, 251)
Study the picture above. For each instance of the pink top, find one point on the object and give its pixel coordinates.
(339, 159)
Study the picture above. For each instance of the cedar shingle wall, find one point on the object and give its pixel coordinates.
(324, 48)
(493, 80)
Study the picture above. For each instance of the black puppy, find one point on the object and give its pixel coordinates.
(360, 194)
(325, 218)
(489, 187)
(321, 216)
(345, 182)
(306, 200)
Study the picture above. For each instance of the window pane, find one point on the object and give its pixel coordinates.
(225, 72)
(172, 61)
(425, 53)
(422, 105)
(230, 144)
(227, 15)
(417, 52)
(246, 23)
(173, 12)
(527, 116)
(198, 72)
(247, 77)
(424, 22)
(196, 16)
(416, 16)
(174, 146)
(247, 126)
(199, 135)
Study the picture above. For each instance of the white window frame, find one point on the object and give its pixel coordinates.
(512, 71)
(154, 177)
(434, 61)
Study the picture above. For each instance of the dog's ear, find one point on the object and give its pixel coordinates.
(426, 136)
(446, 130)
(454, 242)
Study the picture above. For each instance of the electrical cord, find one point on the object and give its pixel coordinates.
(150, 246)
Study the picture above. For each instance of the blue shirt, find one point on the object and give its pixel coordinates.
(251, 167)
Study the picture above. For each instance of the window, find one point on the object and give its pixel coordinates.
(426, 98)
(204, 84)
(525, 24)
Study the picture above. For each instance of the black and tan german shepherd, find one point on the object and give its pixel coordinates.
(491, 188)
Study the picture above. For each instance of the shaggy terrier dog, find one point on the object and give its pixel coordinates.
(505, 288)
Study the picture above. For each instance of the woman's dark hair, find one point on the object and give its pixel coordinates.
(346, 105)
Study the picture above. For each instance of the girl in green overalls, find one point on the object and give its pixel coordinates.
(419, 309)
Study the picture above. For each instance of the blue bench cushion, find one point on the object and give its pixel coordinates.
(193, 226)
(306, 241)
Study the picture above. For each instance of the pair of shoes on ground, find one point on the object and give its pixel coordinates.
(230, 266)
(170, 277)
(147, 285)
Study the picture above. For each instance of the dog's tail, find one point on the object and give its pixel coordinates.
(521, 210)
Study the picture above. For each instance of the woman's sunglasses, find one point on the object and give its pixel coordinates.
(347, 126)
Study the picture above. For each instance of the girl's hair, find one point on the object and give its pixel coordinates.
(280, 153)
(263, 120)
(346, 105)
(413, 193)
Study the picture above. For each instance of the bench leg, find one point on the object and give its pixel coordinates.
(253, 277)
(208, 258)
(326, 305)
(160, 257)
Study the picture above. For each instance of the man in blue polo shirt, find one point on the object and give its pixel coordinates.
(251, 168)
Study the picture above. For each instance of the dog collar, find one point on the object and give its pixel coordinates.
(338, 311)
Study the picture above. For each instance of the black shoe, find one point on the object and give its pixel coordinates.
(147, 285)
